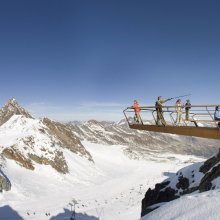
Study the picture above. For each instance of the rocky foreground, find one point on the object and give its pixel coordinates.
(199, 177)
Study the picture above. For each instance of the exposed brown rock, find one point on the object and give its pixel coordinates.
(58, 162)
(67, 138)
(13, 154)
(12, 108)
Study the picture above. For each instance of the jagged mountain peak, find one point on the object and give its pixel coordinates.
(124, 121)
(12, 108)
(12, 101)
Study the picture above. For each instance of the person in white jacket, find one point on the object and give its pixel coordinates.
(178, 112)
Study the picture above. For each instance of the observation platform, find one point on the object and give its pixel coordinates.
(200, 123)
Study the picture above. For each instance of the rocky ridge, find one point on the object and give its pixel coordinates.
(12, 108)
(30, 141)
(141, 143)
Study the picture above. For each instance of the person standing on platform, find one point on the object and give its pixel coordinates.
(217, 115)
(178, 112)
(137, 116)
(187, 108)
(159, 109)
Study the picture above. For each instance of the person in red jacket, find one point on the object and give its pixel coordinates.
(137, 116)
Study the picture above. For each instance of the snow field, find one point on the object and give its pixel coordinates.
(110, 188)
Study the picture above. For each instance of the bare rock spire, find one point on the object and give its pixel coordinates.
(12, 108)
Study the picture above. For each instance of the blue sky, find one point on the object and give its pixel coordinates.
(81, 59)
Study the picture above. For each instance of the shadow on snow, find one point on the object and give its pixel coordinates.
(169, 174)
(66, 215)
(6, 212)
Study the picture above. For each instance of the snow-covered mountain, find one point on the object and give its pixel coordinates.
(194, 180)
(141, 143)
(29, 141)
(51, 163)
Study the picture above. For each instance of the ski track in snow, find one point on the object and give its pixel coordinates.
(109, 189)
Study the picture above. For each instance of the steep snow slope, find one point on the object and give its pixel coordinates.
(110, 188)
(203, 206)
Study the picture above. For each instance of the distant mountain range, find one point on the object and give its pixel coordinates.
(28, 141)
(141, 143)
(32, 145)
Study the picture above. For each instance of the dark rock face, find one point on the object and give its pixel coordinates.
(183, 183)
(10, 109)
(164, 193)
(210, 163)
(205, 183)
(157, 195)
(211, 171)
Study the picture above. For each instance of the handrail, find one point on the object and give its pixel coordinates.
(197, 113)
(173, 106)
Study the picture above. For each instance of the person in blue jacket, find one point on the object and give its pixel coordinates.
(217, 115)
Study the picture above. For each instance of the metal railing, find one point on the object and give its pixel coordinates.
(199, 115)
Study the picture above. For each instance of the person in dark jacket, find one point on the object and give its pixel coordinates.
(187, 108)
(159, 109)
(217, 115)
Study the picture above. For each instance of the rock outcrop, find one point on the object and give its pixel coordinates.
(4, 183)
(12, 108)
(13, 153)
(197, 177)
